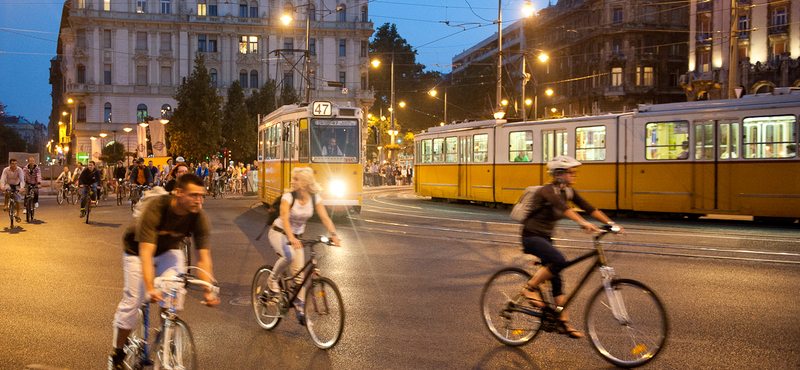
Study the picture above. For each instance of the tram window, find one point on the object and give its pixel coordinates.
(554, 144)
(426, 151)
(667, 140)
(480, 153)
(520, 146)
(451, 149)
(302, 142)
(334, 140)
(289, 144)
(438, 150)
(728, 140)
(590, 143)
(769, 137)
(704, 141)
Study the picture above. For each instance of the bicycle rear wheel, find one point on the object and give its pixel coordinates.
(501, 293)
(181, 353)
(267, 311)
(636, 339)
(88, 208)
(72, 196)
(324, 312)
(60, 196)
(119, 195)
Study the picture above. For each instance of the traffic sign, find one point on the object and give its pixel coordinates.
(344, 90)
(738, 91)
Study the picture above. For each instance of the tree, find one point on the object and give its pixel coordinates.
(10, 140)
(113, 152)
(238, 129)
(195, 127)
(289, 96)
(262, 102)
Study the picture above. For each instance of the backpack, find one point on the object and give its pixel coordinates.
(525, 207)
(274, 210)
(147, 197)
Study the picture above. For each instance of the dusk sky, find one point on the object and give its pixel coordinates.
(29, 30)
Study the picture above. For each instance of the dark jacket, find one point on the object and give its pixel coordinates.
(135, 174)
(89, 177)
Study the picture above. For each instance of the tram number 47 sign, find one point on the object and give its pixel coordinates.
(321, 108)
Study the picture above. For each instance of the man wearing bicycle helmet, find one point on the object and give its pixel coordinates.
(549, 206)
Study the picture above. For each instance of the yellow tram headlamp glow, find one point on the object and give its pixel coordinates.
(337, 188)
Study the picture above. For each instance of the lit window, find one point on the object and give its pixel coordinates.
(616, 76)
(202, 7)
(248, 45)
(480, 152)
(451, 150)
(590, 143)
(141, 113)
(141, 6)
(166, 111)
(520, 146)
(667, 140)
(438, 150)
(107, 5)
(769, 137)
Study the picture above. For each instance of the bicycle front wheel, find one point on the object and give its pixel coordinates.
(135, 356)
(637, 335)
(500, 300)
(267, 311)
(60, 197)
(180, 352)
(324, 312)
(72, 196)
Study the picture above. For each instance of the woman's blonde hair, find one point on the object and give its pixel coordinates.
(306, 175)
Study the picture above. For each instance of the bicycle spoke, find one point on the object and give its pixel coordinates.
(502, 292)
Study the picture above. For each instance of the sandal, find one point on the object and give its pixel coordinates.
(564, 328)
(534, 296)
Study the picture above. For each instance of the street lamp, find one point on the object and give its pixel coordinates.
(499, 112)
(128, 139)
(376, 63)
(433, 94)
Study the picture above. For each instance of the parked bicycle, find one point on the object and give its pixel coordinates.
(28, 203)
(625, 320)
(324, 310)
(168, 345)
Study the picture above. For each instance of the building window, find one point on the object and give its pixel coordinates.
(201, 7)
(779, 16)
(212, 44)
(201, 43)
(166, 111)
(364, 14)
(243, 9)
(141, 113)
(107, 5)
(342, 77)
(616, 76)
(141, 75)
(363, 81)
(248, 45)
(312, 12)
(616, 46)
(744, 52)
(243, 78)
(342, 48)
(312, 46)
(80, 74)
(107, 39)
(166, 41)
(107, 113)
(166, 76)
(212, 8)
(703, 61)
(744, 27)
(80, 38)
(288, 80)
(343, 13)
(647, 77)
(288, 43)
(776, 50)
(703, 27)
(165, 6)
(141, 6)
(674, 78)
(81, 4)
(364, 48)
(254, 79)
(81, 112)
(107, 74)
(213, 74)
(141, 40)
(618, 15)
(253, 9)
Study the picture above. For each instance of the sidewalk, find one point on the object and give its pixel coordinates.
(387, 187)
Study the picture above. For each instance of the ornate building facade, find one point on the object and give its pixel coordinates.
(760, 37)
(120, 61)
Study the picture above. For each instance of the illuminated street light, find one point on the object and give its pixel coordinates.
(553, 110)
(441, 123)
(549, 92)
(499, 114)
(543, 57)
(504, 102)
(164, 121)
(60, 123)
(402, 104)
(369, 115)
(70, 101)
(127, 129)
(93, 138)
(286, 19)
(528, 101)
(528, 10)
(144, 124)
(63, 113)
(432, 93)
(376, 63)
(103, 135)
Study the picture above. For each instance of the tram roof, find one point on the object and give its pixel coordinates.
(778, 97)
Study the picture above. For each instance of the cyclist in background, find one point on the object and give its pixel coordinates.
(549, 206)
(177, 171)
(11, 181)
(64, 178)
(141, 175)
(152, 247)
(33, 177)
(77, 173)
(90, 177)
(119, 174)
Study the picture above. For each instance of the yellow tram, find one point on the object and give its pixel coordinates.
(736, 157)
(319, 135)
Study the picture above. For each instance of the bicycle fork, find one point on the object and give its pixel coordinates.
(614, 296)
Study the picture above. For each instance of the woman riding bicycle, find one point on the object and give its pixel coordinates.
(549, 206)
(294, 213)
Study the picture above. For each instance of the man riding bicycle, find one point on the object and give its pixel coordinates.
(10, 182)
(33, 177)
(141, 175)
(549, 206)
(89, 180)
(153, 248)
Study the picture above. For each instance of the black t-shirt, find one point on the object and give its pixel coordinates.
(119, 173)
(159, 225)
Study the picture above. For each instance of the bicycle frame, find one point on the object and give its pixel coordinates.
(311, 266)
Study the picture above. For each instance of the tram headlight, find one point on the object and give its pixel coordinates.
(337, 188)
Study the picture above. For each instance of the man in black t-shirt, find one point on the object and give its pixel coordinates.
(153, 248)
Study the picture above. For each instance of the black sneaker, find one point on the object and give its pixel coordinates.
(83, 214)
(115, 361)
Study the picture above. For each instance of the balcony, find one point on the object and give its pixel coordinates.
(779, 29)
(614, 91)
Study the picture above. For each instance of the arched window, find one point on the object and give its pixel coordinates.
(107, 113)
(254, 79)
(312, 12)
(253, 9)
(166, 111)
(81, 112)
(342, 13)
(243, 78)
(243, 9)
(364, 14)
(288, 9)
(213, 74)
(141, 113)
(80, 74)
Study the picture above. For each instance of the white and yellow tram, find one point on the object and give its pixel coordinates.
(319, 135)
(735, 157)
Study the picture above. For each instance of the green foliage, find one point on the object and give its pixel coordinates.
(262, 102)
(195, 127)
(10, 140)
(238, 128)
(289, 96)
(113, 152)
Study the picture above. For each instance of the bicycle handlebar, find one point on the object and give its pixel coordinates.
(319, 240)
(605, 229)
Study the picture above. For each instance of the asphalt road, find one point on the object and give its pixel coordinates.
(410, 271)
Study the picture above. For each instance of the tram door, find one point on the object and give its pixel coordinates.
(554, 144)
(704, 167)
(288, 153)
(464, 160)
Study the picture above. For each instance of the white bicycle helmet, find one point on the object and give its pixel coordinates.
(561, 163)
